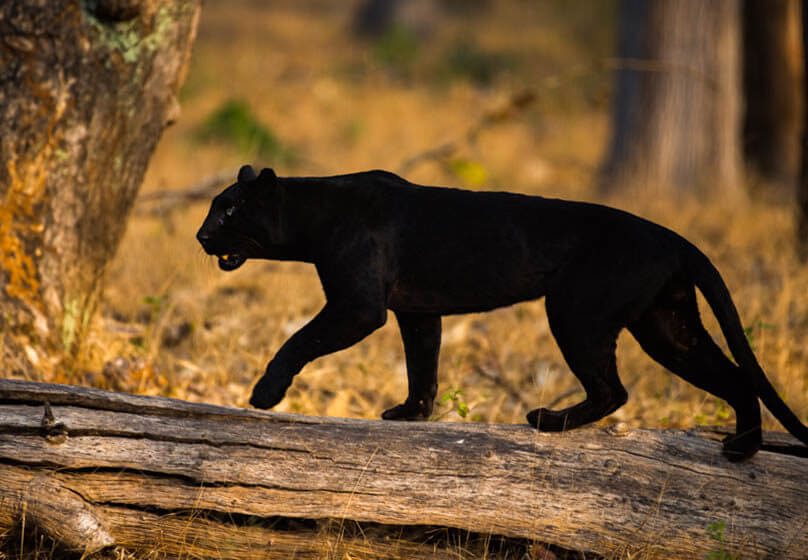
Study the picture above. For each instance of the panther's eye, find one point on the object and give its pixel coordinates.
(230, 210)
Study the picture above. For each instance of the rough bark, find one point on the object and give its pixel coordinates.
(772, 79)
(607, 491)
(802, 186)
(677, 109)
(86, 88)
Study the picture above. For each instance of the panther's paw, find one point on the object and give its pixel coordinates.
(409, 410)
(740, 447)
(546, 420)
(268, 392)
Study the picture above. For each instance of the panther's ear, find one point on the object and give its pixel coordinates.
(246, 174)
(268, 174)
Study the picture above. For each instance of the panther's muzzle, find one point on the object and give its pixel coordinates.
(227, 260)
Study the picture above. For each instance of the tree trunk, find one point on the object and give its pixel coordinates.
(802, 186)
(374, 18)
(86, 89)
(676, 112)
(160, 474)
(772, 80)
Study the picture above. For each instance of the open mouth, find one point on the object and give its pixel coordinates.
(231, 261)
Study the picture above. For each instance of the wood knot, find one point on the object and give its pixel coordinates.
(611, 467)
(620, 429)
(54, 432)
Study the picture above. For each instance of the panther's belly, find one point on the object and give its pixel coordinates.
(473, 258)
(446, 295)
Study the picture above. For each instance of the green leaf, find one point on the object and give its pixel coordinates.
(716, 530)
(233, 122)
(397, 49)
(470, 172)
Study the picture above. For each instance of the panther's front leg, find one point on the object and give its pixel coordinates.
(336, 327)
(421, 335)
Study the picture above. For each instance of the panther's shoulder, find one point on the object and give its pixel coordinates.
(362, 178)
(375, 176)
(383, 174)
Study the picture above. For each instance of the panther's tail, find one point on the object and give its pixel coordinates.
(709, 282)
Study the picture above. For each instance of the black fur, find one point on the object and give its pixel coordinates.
(379, 243)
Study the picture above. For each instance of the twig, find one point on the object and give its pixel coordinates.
(516, 103)
(568, 393)
(661, 67)
(499, 381)
(162, 202)
(517, 394)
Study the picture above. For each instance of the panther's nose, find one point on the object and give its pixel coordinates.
(203, 237)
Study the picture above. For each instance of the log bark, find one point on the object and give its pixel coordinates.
(86, 88)
(676, 117)
(142, 463)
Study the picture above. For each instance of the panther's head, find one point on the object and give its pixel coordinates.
(234, 229)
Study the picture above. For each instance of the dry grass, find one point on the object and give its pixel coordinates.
(342, 110)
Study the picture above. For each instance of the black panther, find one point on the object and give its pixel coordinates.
(379, 242)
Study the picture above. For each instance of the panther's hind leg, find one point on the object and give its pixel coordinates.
(421, 335)
(672, 333)
(589, 350)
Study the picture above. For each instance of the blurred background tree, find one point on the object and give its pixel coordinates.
(710, 97)
(676, 115)
(802, 186)
(772, 80)
(86, 88)
(374, 18)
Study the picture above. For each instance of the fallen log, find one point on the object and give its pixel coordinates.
(94, 468)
